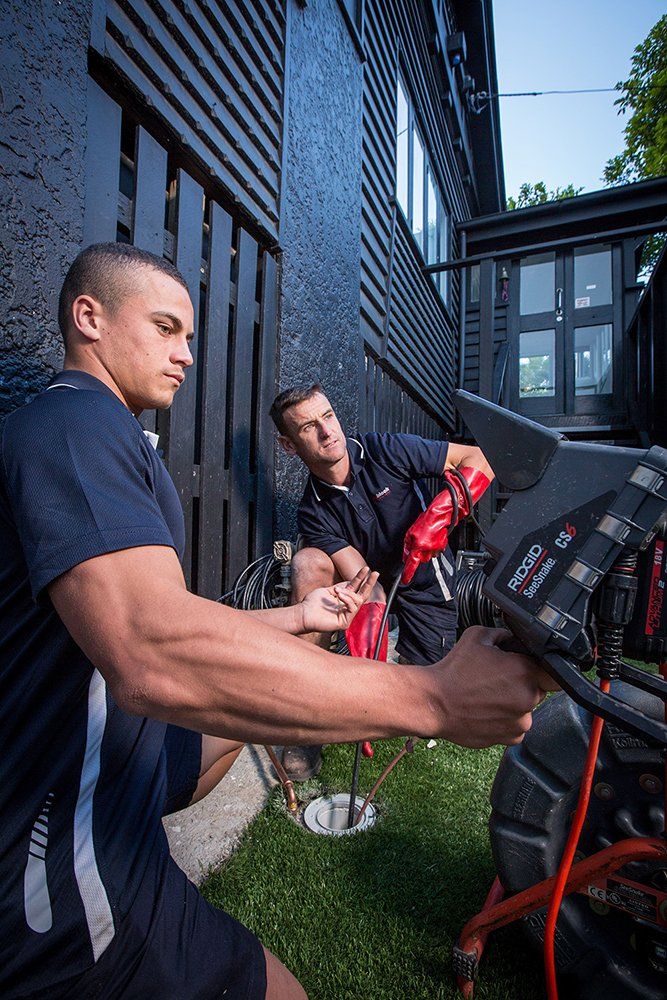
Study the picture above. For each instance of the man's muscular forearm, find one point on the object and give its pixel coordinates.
(288, 619)
(462, 455)
(170, 655)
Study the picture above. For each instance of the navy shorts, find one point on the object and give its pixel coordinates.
(426, 632)
(173, 945)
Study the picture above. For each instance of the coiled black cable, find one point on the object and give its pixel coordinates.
(259, 585)
(474, 607)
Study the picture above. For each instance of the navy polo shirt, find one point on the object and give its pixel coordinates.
(81, 783)
(385, 495)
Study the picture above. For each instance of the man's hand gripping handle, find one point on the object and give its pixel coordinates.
(428, 536)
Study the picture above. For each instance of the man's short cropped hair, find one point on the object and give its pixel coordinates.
(105, 271)
(291, 397)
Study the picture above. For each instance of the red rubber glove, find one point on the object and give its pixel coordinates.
(429, 534)
(362, 634)
(361, 638)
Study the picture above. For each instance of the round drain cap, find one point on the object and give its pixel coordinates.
(328, 815)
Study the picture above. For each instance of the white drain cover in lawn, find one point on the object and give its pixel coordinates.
(328, 815)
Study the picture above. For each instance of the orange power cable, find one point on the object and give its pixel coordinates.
(569, 852)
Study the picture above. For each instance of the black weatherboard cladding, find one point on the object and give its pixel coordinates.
(214, 71)
(193, 97)
(419, 339)
(42, 134)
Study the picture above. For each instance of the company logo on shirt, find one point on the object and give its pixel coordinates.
(383, 493)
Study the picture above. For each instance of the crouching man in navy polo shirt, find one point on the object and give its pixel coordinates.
(110, 671)
(361, 498)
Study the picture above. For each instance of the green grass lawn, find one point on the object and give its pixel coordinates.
(374, 916)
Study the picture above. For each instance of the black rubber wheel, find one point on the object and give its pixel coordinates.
(601, 951)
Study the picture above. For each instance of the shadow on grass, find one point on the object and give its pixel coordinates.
(375, 915)
(430, 887)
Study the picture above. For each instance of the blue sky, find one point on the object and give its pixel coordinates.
(547, 45)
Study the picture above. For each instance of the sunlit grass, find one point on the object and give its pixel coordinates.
(375, 915)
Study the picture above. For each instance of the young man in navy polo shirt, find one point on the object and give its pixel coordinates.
(110, 671)
(361, 497)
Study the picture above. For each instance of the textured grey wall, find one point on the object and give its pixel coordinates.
(321, 225)
(42, 136)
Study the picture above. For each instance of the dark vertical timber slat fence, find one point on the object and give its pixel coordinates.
(182, 416)
(267, 391)
(216, 439)
(150, 187)
(213, 501)
(148, 219)
(390, 408)
(104, 124)
(241, 499)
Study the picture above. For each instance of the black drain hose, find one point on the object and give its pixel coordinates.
(376, 653)
(474, 609)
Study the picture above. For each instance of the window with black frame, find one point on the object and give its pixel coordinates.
(418, 191)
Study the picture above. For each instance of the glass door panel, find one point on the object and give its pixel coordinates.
(564, 320)
(539, 318)
(537, 364)
(591, 319)
(593, 371)
(538, 284)
(592, 277)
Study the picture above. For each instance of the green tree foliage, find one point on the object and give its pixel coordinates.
(536, 376)
(537, 194)
(644, 98)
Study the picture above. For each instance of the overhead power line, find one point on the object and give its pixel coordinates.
(583, 90)
(542, 93)
(479, 100)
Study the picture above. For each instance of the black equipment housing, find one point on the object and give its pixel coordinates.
(614, 949)
(578, 511)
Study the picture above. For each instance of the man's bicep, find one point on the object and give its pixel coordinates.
(106, 602)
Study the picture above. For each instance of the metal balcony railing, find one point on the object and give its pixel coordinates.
(646, 356)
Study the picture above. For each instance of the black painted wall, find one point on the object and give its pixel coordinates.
(320, 225)
(43, 73)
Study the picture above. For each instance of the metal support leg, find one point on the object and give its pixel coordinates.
(473, 936)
